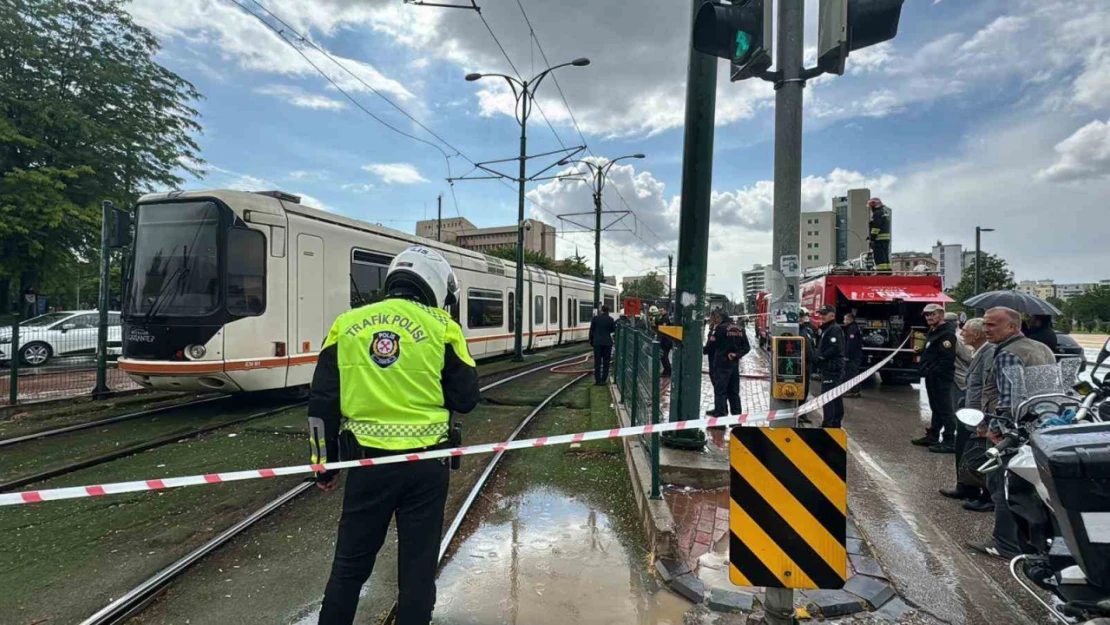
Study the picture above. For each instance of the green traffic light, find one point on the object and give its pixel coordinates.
(743, 46)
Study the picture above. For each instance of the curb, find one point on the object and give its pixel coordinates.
(655, 516)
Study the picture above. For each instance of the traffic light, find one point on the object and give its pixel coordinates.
(739, 32)
(846, 25)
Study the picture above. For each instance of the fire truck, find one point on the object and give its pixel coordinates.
(888, 309)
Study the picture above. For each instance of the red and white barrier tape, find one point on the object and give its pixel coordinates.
(117, 488)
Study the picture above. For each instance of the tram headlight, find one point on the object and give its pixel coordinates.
(195, 352)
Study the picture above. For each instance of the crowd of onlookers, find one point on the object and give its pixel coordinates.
(961, 361)
(962, 364)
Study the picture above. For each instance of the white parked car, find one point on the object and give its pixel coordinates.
(57, 334)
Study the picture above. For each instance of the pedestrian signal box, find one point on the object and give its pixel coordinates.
(788, 368)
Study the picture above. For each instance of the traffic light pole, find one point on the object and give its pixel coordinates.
(693, 240)
(779, 604)
(100, 391)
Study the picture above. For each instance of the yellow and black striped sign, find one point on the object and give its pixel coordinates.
(788, 508)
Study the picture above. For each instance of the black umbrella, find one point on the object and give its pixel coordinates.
(1021, 302)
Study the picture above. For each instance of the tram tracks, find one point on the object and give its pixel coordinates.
(138, 598)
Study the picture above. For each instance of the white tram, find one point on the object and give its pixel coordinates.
(234, 291)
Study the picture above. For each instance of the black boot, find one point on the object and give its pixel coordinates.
(928, 440)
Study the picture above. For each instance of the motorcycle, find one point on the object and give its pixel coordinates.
(1056, 452)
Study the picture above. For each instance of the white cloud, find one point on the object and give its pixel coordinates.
(357, 187)
(299, 97)
(306, 174)
(1084, 155)
(395, 173)
(1092, 86)
(243, 40)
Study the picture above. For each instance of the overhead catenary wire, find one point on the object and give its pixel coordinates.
(551, 126)
(281, 33)
(574, 120)
(287, 31)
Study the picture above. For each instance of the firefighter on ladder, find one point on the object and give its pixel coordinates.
(880, 234)
(387, 379)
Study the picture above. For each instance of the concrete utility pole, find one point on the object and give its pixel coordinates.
(693, 240)
(439, 218)
(786, 218)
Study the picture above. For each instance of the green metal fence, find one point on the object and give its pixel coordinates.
(54, 356)
(636, 374)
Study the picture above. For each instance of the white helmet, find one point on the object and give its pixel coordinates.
(654, 310)
(427, 273)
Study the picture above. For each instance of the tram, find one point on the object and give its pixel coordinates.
(234, 291)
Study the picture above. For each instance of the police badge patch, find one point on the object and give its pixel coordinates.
(385, 348)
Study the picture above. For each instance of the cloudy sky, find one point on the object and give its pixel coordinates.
(993, 112)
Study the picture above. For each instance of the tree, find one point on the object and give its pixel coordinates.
(1063, 323)
(1091, 310)
(86, 115)
(995, 277)
(650, 287)
(535, 259)
(575, 266)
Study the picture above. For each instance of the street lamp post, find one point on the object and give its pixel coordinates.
(600, 173)
(978, 258)
(523, 91)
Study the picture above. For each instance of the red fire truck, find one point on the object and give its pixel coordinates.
(888, 308)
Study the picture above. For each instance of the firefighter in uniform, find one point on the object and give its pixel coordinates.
(388, 378)
(880, 234)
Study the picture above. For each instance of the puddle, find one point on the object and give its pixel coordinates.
(544, 557)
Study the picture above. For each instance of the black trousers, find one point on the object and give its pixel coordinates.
(665, 361)
(880, 250)
(939, 390)
(851, 370)
(416, 493)
(726, 389)
(834, 410)
(603, 356)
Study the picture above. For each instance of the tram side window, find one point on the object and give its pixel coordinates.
(484, 308)
(572, 320)
(554, 310)
(611, 302)
(367, 277)
(246, 272)
(537, 312)
(585, 312)
(512, 312)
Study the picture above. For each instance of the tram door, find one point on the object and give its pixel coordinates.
(311, 330)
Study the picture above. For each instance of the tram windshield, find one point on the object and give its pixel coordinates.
(176, 263)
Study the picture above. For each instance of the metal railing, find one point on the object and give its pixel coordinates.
(54, 356)
(636, 374)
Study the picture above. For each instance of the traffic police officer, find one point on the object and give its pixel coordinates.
(388, 377)
(880, 234)
(830, 363)
(725, 347)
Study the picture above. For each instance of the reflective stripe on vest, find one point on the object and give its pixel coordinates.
(394, 430)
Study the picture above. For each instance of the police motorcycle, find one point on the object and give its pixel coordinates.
(1056, 450)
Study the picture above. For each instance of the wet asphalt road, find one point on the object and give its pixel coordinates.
(917, 534)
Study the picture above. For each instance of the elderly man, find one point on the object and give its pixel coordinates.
(938, 365)
(978, 397)
(1012, 348)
